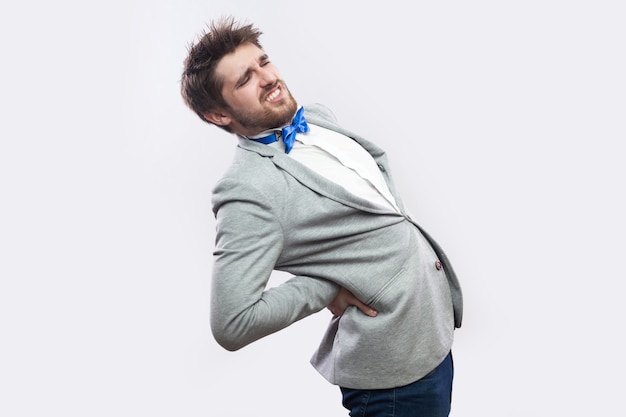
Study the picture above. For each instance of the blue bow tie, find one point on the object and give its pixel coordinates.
(298, 125)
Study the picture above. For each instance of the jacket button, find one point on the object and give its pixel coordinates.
(438, 265)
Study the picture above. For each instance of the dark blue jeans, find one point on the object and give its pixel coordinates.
(428, 397)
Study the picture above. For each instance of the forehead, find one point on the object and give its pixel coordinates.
(234, 65)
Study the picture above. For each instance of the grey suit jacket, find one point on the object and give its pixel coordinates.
(273, 213)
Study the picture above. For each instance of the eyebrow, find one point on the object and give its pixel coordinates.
(249, 70)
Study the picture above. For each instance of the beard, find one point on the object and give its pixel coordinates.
(267, 118)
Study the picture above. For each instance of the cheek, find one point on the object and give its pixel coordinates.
(246, 97)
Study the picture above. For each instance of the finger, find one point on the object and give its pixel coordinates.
(364, 307)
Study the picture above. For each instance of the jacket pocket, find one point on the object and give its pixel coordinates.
(388, 286)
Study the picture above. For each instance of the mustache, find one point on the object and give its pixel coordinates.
(267, 89)
(273, 86)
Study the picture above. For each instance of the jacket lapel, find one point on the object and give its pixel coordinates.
(310, 178)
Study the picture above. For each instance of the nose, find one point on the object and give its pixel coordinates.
(267, 76)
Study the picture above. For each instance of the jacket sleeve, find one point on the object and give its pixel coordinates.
(249, 241)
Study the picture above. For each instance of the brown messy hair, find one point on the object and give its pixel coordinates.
(200, 88)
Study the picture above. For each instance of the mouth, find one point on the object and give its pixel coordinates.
(274, 95)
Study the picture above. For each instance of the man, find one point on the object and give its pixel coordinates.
(306, 196)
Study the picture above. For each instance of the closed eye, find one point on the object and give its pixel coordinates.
(243, 80)
(245, 77)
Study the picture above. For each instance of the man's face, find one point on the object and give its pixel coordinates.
(257, 98)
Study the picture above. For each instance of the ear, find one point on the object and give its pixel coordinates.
(218, 117)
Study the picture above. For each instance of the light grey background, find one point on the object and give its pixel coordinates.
(504, 122)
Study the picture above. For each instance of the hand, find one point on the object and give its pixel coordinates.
(345, 299)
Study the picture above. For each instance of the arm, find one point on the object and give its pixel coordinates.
(248, 243)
